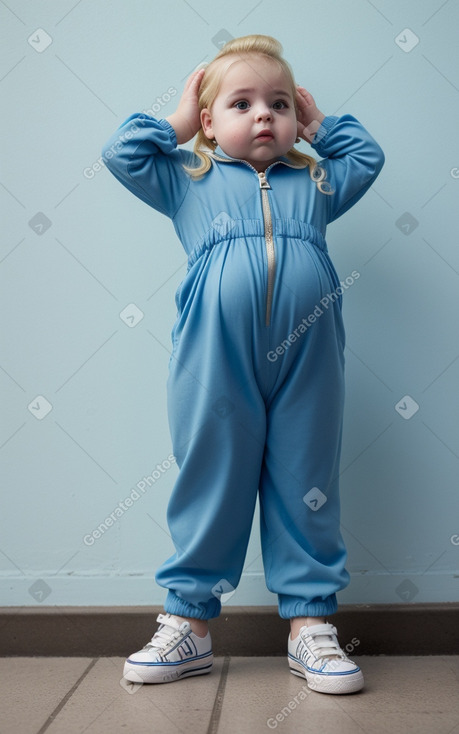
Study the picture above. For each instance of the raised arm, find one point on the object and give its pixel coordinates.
(142, 153)
(351, 156)
(352, 159)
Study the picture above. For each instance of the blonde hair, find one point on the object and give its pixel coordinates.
(240, 48)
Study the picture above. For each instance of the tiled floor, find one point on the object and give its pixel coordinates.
(76, 695)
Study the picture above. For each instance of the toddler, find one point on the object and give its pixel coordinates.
(256, 373)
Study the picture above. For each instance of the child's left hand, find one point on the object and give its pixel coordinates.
(309, 117)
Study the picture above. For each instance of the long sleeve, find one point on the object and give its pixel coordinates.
(143, 155)
(351, 158)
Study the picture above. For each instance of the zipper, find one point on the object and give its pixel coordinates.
(269, 242)
(268, 227)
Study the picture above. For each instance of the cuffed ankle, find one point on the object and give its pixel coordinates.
(204, 610)
(290, 607)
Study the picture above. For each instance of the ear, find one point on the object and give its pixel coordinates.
(206, 123)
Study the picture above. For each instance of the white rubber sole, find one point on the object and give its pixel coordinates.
(167, 672)
(344, 683)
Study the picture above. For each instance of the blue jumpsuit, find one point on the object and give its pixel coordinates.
(256, 374)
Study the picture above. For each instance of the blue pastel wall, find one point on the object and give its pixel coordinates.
(88, 275)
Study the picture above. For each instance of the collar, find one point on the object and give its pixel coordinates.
(221, 154)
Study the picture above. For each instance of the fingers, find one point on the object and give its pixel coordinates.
(197, 76)
(194, 78)
(304, 96)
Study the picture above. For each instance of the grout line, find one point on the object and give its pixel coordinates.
(68, 695)
(218, 703)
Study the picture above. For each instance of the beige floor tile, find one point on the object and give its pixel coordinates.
(405, 722)
(418, 684)
(103, 705)
(401, 694)
(32, 688)
(248, 696)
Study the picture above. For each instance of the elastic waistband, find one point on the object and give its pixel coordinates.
(225, 228)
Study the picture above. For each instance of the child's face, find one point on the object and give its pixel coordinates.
(237, 117)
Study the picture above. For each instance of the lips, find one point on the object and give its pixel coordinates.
(266, 135)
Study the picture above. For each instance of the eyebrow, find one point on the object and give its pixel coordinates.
(244, 91)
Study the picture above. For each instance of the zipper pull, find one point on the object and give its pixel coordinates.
(264, 184)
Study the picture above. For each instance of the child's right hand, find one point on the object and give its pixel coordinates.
(309, 117)
(186, 120)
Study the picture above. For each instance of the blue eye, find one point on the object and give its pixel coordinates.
(244, 102)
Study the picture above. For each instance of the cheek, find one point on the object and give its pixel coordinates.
(291, 130)
(235, 134)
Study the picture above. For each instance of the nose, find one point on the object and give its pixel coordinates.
(263, 112)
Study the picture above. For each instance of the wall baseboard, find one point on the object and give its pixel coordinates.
(379, 629)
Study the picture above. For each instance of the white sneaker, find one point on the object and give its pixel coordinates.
(174, 652)
(310, 655)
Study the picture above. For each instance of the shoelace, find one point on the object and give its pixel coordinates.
(163, 637)
(323, 643)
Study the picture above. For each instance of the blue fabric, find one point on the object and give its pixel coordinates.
(253, 408)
